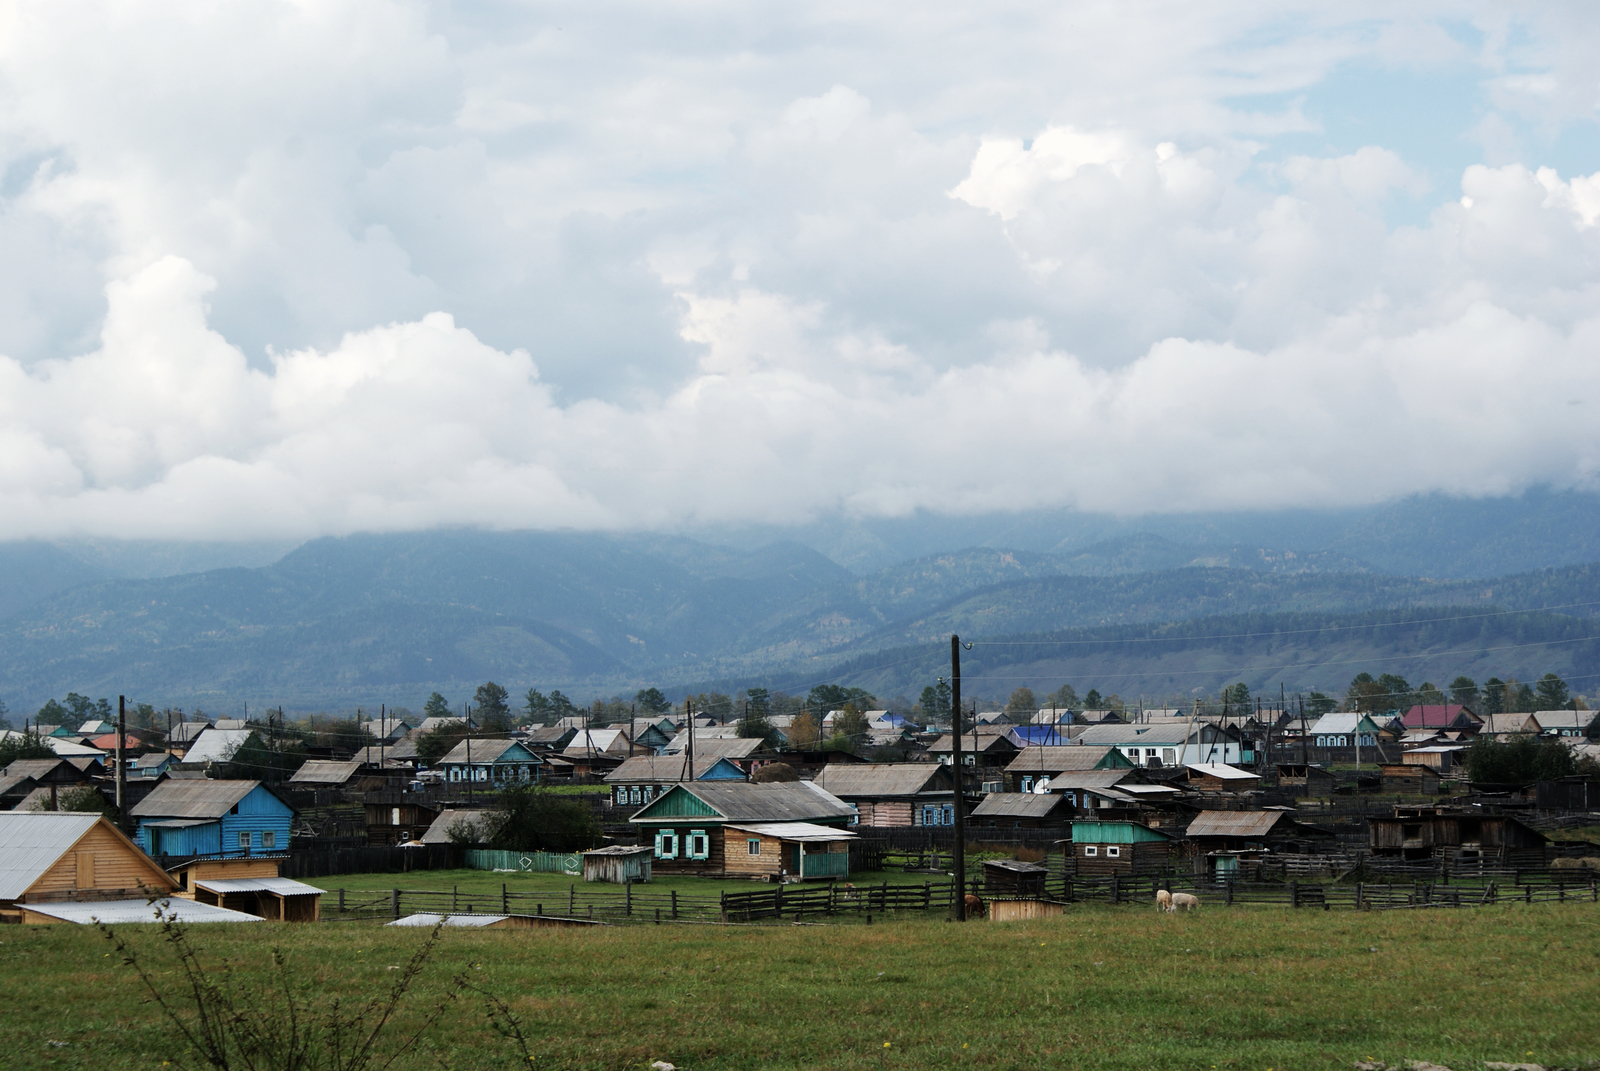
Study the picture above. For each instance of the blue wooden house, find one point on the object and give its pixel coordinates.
(644, 777)
(491, 762)
(193, 817)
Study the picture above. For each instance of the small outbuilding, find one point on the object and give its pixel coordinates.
(1220, 777)
(618, 864)
(51, 856)
(1012, 877)
(1410, 779)
(796, 851)
(1106, 848)
(275, 899)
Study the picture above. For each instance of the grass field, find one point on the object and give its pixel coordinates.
(488, 882)
(1102, 988)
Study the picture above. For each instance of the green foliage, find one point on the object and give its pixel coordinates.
(1430, 695)
(1464, 690)
(536, 705)
(1318, 704)
(850, 729)
(346, 734)
(437, 706)
(1526, 702)
(267, 756)
(653, 701)
(560, 707)
(1397, 693)
(1022, 702)
(826, 697)
(529, 819)
(80, 799)
(1519, 762)
(23, 746)
(1494, 696)
(437, 742)
(492, 708)
(1366, 695)
(1093, 700)
(1551, 693)
(53, 713)
(1236, 696)
(1063, 698)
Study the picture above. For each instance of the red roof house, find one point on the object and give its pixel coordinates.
(108, 742)
(1442, 716)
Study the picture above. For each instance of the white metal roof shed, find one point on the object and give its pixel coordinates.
(126, 911)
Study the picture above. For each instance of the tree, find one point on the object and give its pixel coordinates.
(560, 707)
(652, 701)
(1430, 695)
(81, 799)
(264, 757)
(494, 712)
(1517, 763)
(535, 705)
(714, 705)
(755, 726)
(1397, 692)
(437, 706)
(53, 713)
(1318, 704)
(346, 734)
(1022, 702)
(759, 701)
(1366, 695)
(530, 819)
(850, 729)
(1063, 698)
(1093, 700)
(23, 746)
(82, 708)
(438, 742)
(1552, 693)
(1526, 701)
(805, 733)
(1494, 696)
(1464, 690)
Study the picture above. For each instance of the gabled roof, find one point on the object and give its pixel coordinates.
(738, 801)
(439, 831)
(430, 724)
(885, 779)
(325, 772)
(803, 832)
(606, 741)
(1344, 723)
(1509, 722)
(1051, 760)
(1438, 716)
(32, 841)
(193, 799)
(1017, 805)
(216, 745)
(658, 769)
(1148, 734)
(1222, 771)
(40, 769)
(983, 738)
(70, 748)
(1234, 823)
(185, 731)
(731, 747)
(488, 751)
(1564, 719)
(1091, 780)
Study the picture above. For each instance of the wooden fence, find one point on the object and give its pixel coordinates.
(370, 860)
(525, 862)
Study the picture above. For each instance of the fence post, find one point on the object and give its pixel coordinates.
(505, 901)
(341, 901)
(723, 905)
(675, 902)
(572, 897)
(1527, 893)
(627, 899)
(394, 902)
(1294, 894)
(1361, 889)
(455, 892)
(1227, 894)
(1066, 890)
(1116, 889)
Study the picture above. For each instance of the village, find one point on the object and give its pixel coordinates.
(687, 817)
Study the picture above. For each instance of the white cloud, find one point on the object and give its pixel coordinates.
(384, 266)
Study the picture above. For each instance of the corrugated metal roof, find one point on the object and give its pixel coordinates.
(1087, 779)
(982, 738)
(426, 918)
(32, 841)
(1145, 735)
(326, 772)
(1222, 771)
(278, 886)
(733, 747)
(192, 799)
(1051, 759)
(216, 745)
(797, 831)
(1234, 823)
(482, 751)
(123, 912)
(884, 779)
(1016, 805)
(657, 769)
(35, 768)
(739, 801)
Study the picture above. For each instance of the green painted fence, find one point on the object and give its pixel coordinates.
(525, 862)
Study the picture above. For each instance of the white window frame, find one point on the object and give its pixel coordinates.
(704, 840)
(1027, 784)
(244, 839)
(666, 844)
(1090, 849)
(752, 845)
(1113, 851)
(269, 839)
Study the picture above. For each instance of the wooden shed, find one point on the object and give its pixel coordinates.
(1012, 877)
(792, 851)
(1220, 777)
(894, 793)
(1022, 909)
(1460, 836)
(1106, 848)
(276, 899)
(1410, 779)
(52, 856)
(1309, 778)
(619, 864)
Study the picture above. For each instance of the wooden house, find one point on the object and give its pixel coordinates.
(546, 739)
(894, 793)
(686, 824)
(644, 777)
(1457, 836)
(987, 750)
(1219, 838)
(792, 851)
(1442, 716)
(1308, 779)
(151, 764)
(1038, 763)
(618, 864)
(1009, 877)
(1158, 744)
(1567, 724)
(1100, 849)
(25, 777)
(206, 817)
(395, 816)
(51, 856)
(1020, 810)
(1220, 777)
(1442, 757)
(490, 762)
(1410, 779)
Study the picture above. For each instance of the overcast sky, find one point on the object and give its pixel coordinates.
(277, 270)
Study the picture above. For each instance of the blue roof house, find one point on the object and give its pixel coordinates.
(212, 818)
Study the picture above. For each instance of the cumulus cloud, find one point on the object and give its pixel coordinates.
(287, 270)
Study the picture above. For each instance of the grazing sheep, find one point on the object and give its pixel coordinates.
(974, 906)
(1183, 901)
(1163, 900)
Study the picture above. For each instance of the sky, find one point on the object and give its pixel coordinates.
(281, 270)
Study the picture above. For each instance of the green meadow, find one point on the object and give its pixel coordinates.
(1101, 988)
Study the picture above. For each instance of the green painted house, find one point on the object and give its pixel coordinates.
(692, 825)
(1100, 849)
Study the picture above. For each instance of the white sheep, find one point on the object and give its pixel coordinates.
(1184, 902)
(1163, 900)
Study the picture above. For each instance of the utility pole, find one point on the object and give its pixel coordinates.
(122, 766)
(956, 763)
(1305, 758)
(688, 708)
(466, 715)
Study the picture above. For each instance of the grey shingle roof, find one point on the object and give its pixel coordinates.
(740, 801)
(1017, 805)
(1047, 759)
(883, 779)
(324, 772)
(192, 799)
(1234, 823)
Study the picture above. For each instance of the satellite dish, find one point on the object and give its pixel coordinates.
(1042, 788)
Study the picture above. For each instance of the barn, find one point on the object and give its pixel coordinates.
(1461, 837)
(48, 856)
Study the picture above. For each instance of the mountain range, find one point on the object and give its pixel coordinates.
(365, 619)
